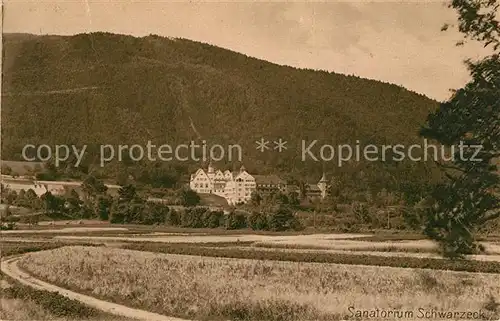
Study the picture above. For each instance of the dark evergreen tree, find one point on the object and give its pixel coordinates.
(471, 117)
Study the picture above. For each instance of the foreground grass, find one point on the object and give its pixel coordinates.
(22, 303)
(208, 288)
(208, 249)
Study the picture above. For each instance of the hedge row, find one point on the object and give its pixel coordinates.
(281, 219)
(9, 248)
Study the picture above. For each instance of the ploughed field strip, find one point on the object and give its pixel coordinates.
(209, 288)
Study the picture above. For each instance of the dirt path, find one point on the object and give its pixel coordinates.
(10, 268)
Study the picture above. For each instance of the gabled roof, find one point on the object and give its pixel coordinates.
(219, 175)
(201, 172)
(228, 174)
(243, 174)
(268, 179)
(313, 188)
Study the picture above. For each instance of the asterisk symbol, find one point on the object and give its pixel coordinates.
(262, 144)
(280, 145)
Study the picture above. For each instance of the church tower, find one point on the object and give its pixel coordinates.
(323, 185)
(211, 169)
(211, 172)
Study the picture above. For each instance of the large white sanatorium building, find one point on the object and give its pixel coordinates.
(235, 187)
(238, 186)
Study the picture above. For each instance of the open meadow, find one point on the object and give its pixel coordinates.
(215, 275)
(206, 288)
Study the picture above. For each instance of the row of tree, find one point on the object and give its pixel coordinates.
(128, 207)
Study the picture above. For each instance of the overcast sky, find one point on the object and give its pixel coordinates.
(390, 41)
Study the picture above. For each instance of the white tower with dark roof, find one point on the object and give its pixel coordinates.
(323, 185)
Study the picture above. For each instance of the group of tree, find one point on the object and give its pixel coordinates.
(280, 219)
(260, 200)
(455, 210)
(94, 201)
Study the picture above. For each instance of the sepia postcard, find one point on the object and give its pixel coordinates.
(250, 160)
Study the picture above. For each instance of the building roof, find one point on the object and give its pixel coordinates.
(313, 188)
(293, 188)
(268, 179)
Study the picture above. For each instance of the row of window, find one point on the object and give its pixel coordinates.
(196, 185)
(270, 185)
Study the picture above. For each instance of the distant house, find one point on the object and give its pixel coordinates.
(319, 190)
(313, 191)
(24, 184)
(55, 189)
(237, 187)
(270, 183)
(292, 188)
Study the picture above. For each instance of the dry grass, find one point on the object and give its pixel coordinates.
(305, 239)
(240, 289)
(21, 303)
(20, 310)
(26, 310)
(408, 246)
(344, 242)
(341, 245)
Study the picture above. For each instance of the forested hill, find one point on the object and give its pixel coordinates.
(104, 88)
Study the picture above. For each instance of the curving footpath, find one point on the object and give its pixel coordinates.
(10, 268)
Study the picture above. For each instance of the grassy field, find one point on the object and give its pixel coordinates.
(8, 248)
(229, 250)
(207, 288)
(22, 303)
(207, 275)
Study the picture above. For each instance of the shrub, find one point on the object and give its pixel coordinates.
(173, 218)
(283, 220)
(236, 220)
(412, 217)
(213, 219)
(360, 211)
(193, 217)
(10, 219)
(155, 213)
(257, 221)
(188, 197)
(8, 226)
